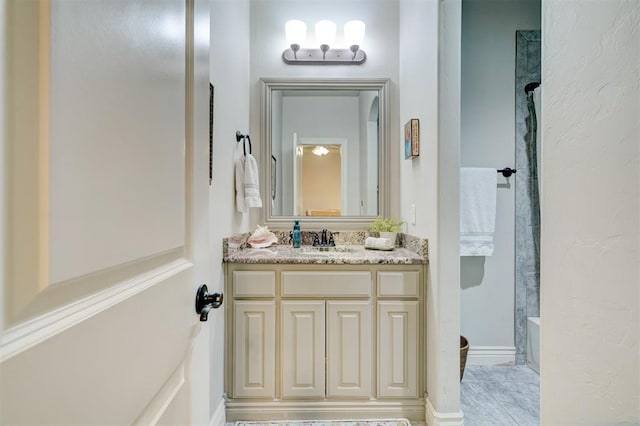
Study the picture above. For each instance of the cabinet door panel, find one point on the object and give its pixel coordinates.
(397, 349)
(303, 346)
(254, 349)
(349, 349)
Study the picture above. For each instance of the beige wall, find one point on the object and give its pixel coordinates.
(589, 268)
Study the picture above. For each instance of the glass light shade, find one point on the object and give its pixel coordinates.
(296, 31)
(320, 150)
(325, 32)
(354, 33)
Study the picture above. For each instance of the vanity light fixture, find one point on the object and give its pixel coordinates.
(320, 150)
(296, 32)
(325, 32)
(353, 35)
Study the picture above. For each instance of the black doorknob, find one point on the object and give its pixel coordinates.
(205, 302)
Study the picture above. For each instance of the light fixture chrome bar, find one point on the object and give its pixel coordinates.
(330, 57)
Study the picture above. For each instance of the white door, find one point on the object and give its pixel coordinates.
(104, 234)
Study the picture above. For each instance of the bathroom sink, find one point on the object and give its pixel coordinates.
(317, 253)
(330, 250)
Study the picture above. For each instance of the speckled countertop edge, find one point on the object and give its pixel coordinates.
(410, 250)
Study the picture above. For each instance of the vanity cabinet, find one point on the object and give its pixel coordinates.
(349, 349)
(326, 349)
(302, 354)
(321, 339)
(397, 353)
(254, 331)
(254, 328)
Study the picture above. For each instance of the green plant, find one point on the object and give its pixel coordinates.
(384, 224)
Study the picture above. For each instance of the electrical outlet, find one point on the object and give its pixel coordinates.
(413, 214)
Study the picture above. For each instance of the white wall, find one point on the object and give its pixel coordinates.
(429, 90)
(488, 140)
(590, 242)
(230, 78)
(268, 41)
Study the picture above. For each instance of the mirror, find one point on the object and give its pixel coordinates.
(326, 143)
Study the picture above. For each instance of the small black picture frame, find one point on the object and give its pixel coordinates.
(412, 139)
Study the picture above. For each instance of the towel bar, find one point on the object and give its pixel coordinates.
(507, 171)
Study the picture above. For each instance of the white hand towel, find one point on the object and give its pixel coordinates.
(378, 243)
(241, 206)
(251, 183)
(478, 191)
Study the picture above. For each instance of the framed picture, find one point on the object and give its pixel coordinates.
(412, 138)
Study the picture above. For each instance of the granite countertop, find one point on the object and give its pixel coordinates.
(412, 251)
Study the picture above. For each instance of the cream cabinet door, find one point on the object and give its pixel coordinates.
(397, 349)
(349, 349)
(303, 349)
(254, 349)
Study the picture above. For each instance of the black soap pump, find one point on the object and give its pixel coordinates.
(296, 235)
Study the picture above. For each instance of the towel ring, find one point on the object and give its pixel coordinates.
(241, 137)
(244, 149)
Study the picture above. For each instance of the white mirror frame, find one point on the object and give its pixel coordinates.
(315, 222)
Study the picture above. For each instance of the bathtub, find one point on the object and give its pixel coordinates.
(533, 343)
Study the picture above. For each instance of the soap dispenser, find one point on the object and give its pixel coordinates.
(296, 235)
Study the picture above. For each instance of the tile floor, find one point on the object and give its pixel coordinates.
(500, 395)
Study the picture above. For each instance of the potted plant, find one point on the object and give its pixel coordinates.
(386, 228)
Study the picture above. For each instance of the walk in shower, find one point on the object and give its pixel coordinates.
(527, 224)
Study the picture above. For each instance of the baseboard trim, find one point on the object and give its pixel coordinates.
(219, 417)
(412, 409)
(435, 418)
(491, 355)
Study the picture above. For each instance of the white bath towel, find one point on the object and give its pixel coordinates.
(378, 243)
(239, 161)
(251, 182)
(478, 191)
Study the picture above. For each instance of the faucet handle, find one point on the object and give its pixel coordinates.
(331, 243)
(316, 240)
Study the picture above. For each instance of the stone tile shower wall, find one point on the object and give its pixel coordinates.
(527, 233)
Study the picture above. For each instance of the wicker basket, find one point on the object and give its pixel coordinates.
(464, 349)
